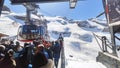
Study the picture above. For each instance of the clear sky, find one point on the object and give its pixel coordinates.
(83, 10)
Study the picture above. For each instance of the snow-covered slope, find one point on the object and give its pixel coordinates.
(7, 25)
(80, 46)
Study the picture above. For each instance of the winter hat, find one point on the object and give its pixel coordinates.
(2, 55)
(2, 48)
(40, 45)
(11, 52)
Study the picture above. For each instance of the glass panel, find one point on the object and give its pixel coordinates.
(112, 12)
(112, 8)
(41, 30)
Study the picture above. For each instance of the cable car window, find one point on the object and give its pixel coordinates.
(27, 32)
(20, 30)
(41, 30)
(29, 29)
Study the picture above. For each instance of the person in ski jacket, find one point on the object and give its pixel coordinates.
(8, 61)
(2, 52)
(39, 59)
(56, 53)
(61, 39)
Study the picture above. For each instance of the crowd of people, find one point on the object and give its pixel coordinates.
(38, 54)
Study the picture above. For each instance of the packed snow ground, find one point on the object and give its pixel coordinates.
(80, 47)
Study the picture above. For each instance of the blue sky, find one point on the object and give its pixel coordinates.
(83, 10)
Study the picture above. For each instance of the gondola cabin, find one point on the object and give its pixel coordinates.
(28, 33)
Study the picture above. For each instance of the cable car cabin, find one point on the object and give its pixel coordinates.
(27, 33)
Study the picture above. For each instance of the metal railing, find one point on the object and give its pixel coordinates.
(105, 43)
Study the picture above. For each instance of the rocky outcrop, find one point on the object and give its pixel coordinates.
(5, 8)
(20, 17)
